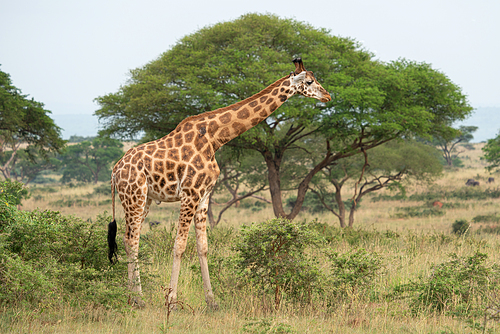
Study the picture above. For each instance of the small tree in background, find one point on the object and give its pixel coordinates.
(381, 167)
(447, 142)
(90, 161)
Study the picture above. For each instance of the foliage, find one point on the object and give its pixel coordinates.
(373, 102)
(492, 153)
(460, 227)
(491, 218)
(26, 165)
(459, 286)
(90, 161)
(354, 272)
(24, 120)
(273, 255)
(47, 258)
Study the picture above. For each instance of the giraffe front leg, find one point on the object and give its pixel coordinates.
(202, 247)
(188, 209)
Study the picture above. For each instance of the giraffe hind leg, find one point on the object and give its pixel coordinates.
(134, 215)
(200, 221)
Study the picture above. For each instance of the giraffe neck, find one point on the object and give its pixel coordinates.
(221, 125)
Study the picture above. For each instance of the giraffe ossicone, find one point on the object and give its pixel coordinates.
(181, 167)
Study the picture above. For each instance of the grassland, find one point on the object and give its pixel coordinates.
(408, 246)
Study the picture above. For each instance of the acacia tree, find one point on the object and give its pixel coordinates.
(373, 102)
(24, 121)
(382, 167)
(447, 142)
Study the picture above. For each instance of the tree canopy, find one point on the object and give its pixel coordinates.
(372, 102)
(24, 121)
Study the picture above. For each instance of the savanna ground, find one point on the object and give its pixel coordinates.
(409, 237)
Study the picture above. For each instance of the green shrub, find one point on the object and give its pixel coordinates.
(459, 287)
(48, 258)
(492, 218)
(273, 255)
(353, 273)
(460, 227)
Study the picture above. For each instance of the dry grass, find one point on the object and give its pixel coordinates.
(404, 260)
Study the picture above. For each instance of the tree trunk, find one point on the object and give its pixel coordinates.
(273, 176)
(341, 205)
(351, 215)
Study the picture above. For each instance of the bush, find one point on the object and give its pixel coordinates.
(273, 255)
(460, 227)
(353, 273)
(48, 258)
(459, 287)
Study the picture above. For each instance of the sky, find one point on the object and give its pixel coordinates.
(67, 53)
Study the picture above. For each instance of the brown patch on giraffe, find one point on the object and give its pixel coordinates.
(283, 98)
(191, 172)
(202, 130)
(255, 121)
(226, 118)
(133, 188)
(188, 126)
(273, 107)
(253, 104)
(150, 149)
(236, 107)
(198, 162)
(159, 167)
(269, 101)
(263, 113)
(162, 183)
(173, 154)
(199, 180)
(212, 116)
(171, 189)
(286, 83)
(136, 157)
(147, 162)
(140, 147)
(161, 144)
(169, 142)
(178, 140)
(212, 128)
(275, 92)
(181, 168)
(257, 108)
(171, 176)
(170, 165)
(199, 143)
(160, 154)
(156, 177)
(156, 188)
(188, 137)
(238, 127)
(141, 180)
(186, 153)
(243, 114)
(263, 99)
(140, 164)
(208, 181)
(208, 153)
(282, 89)
(133, 174)
(125, 172)
(127, 158)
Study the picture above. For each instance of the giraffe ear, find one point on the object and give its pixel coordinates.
(298, 78)
(299, 66)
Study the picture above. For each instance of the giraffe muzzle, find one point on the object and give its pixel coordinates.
(326, 98)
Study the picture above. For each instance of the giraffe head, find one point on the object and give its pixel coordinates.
(306, 84)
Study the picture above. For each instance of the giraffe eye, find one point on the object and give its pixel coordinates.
(309, 82)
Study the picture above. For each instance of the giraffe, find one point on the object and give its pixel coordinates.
(181, 167)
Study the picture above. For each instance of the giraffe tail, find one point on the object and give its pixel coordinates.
(112, 228)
